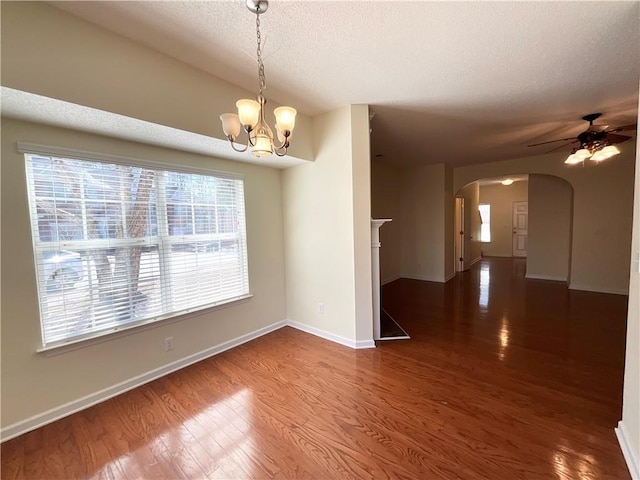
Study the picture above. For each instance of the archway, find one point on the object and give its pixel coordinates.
(547, 237)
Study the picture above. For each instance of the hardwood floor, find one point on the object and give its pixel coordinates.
(503, 378)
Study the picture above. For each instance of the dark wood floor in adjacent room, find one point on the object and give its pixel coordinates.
(503, 378)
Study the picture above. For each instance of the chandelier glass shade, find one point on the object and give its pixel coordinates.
(250, 116)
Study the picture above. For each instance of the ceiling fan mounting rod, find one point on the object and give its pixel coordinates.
(591, 117)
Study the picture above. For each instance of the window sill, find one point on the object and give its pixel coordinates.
(106, 336)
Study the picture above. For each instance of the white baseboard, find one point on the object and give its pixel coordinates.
(631, 457)
(357, 344)
(67, 409)
(475, 260)
(589, 288)
(449, 277)
(389, 280)
(424, 278)
(546, 277)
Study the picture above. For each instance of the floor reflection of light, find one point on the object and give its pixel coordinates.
(503, 336)
(485, 277)
(569, 463)
(224, 427)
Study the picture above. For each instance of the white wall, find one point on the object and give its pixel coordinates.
(385, 203)
(422, 201)
(550, 219)
(33, 383)
(602, 212)
(326, 212)
(52, 53)
(629, 428)
(501, 198)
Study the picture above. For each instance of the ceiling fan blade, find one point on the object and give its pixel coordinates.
(633, 126)
(552, 141)
(561, 146)
(613, 138)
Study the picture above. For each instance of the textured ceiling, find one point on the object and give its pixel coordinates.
(454, 82)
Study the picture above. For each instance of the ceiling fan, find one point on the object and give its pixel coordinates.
(596, 142)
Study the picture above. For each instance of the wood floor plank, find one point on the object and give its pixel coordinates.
(503, 378)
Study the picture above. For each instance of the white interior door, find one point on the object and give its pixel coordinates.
(520, 226)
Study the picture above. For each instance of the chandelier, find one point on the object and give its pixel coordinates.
(250, 116)
(594, 145)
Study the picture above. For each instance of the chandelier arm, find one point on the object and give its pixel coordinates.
(233, 145)
(277, 152)
(284, 144)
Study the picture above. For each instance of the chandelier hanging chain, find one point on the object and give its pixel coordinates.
(261, 77)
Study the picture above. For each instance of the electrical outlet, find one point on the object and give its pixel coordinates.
(321, 308)
(168, 344)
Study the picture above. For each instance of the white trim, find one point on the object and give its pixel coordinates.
(475, 260)
(588, 288)
(546, 277)
(390, 279)
(401, 337)
(74, 406)
(633, 462)
(499, 255)
(347, 342)
(424, 278)
(449, 277)
(48, 151)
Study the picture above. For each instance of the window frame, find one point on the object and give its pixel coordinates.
(162, 242)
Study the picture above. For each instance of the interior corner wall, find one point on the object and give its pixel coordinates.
(385, 203)
(602, 212)
(91, 66)
(629, 426)
(422, 203)
(36, 387)
(549, 235)
(501, 198)
(471, 195)
(449, 224)
(322, 230)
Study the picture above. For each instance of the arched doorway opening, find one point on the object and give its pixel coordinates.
(527, 216)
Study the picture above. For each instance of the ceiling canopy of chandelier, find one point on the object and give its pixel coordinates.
(250, 116)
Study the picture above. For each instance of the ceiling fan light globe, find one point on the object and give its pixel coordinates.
(573, 159)
(583, 153)
(599, 156)
(610, 150)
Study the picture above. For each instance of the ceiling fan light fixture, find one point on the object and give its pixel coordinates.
(573, 159)
(610, 150)
(507, 181)
(599, 156)
(583, 153)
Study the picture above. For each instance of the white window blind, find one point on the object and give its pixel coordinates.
(119, 245)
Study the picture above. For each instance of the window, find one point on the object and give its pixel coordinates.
(120, 245)
(485, 220)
